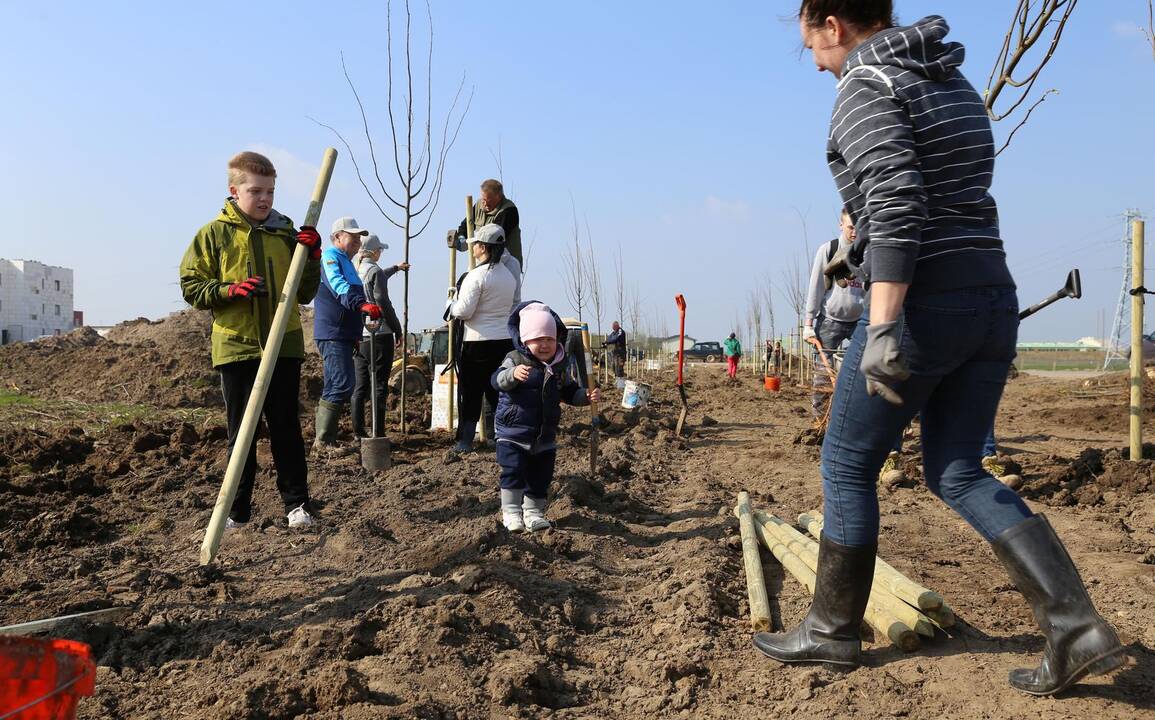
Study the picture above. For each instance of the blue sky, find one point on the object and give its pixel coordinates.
(692, 139)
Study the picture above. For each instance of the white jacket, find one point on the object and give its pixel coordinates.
(485, 301)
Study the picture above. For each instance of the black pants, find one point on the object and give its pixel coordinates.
(479, 360)
(383, 362)
(283, 419)
(526, 471)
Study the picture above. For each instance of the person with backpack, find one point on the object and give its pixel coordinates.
(832, 313)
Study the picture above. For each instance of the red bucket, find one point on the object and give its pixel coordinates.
(773, 383)
(43, 679)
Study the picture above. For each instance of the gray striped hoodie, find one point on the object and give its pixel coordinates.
(912, 155)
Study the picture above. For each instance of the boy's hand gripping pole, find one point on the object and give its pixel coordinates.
(272, 350)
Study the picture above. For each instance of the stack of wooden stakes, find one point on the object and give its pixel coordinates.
(899, 608)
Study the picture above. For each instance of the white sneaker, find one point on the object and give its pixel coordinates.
(512, 521)
(535, 521)
(299, 517)
(231, 524)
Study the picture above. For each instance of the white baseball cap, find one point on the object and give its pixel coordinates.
(490, 234)
(349, 225)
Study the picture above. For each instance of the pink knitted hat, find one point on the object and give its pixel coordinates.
(536, 322)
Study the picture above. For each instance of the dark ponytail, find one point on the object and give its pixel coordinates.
(862, 14)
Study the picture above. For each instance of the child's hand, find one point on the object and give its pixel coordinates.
(595, 395)
(521, 373)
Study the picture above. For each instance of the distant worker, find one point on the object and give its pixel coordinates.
(340, 305)
(494, 208)
(732, 349)
(832, 313)
(483, 304)
(533, 384)
(616, 341)
(234, 267)
(386, 336)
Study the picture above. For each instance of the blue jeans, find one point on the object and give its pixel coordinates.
(958, 345)
(340, 377)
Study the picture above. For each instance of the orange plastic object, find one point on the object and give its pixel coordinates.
(43, 679)
(773, 383)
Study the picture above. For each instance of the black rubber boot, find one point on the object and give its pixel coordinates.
(830, 631)
(1079, 640)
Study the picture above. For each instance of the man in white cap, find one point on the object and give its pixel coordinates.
(338, 308)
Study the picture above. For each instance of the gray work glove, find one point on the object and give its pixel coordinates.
(882, 360)
(843, 265)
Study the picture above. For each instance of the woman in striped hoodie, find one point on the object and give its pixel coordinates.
(911, 152)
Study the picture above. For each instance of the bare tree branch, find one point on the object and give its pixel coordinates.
(574, 268)
(1027, 28)
(1026, 117)
(1149, 31)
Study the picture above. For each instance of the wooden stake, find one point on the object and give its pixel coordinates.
(36, 626)
(1136, 412)
(592, 375)
(807, 549)
(899, 634)
(755, 580)
(900, 585)
(452, 341)
(269, 356)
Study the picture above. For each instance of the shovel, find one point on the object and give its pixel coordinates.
(681, 301)
(374, 450)
(1073, 289)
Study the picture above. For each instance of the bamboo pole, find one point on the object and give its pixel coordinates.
(269, 356)
(755, 580)
(469, 230)
(1136, 411)
(592, 375)
(36, 626)
(884, 623)
(807, 549)
(900, 585)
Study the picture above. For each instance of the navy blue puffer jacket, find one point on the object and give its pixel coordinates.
(528, 412)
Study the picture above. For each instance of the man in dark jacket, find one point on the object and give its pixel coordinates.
(616, 340)
(532, 383)
(493, 207)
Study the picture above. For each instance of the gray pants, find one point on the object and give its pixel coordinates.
(831, 333)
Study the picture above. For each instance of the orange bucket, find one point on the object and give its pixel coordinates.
(43, 679)
(773, 383)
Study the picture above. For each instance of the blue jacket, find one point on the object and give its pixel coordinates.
(528, 412)
(337, 306)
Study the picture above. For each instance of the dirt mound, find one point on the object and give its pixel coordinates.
(1095, 472)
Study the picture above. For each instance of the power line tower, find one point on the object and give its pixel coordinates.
(1121, 327)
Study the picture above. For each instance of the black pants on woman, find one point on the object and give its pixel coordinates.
(383, 349)
(479, 360)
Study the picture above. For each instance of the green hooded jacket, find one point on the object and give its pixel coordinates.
(230, 250)
(732, 347)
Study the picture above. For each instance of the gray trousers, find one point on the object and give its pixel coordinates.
(831, 333)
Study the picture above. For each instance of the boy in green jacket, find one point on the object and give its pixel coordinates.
(236, 267)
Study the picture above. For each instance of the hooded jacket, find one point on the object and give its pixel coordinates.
(230, 250)
(911, 152)
(732, 347)
(528, 412)
(337, 309)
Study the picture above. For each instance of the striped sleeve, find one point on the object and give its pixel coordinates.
(876, 169)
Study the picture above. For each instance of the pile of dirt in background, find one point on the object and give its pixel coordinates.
(162, 363)
(1094, 476)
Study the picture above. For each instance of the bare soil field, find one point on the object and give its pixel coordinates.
(408, 599)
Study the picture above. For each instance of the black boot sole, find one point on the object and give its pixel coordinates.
(1100, 665)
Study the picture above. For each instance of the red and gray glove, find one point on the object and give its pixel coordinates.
(372, 310)
(253, 287)
(310, 238)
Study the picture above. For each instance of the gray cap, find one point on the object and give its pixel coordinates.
(372, 244)
(490, 234)
(349, 225)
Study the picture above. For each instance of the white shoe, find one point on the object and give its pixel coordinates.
(512, 521)
(535, 521)
(299, 517)
(231, 524)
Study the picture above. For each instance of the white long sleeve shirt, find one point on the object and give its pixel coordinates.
(485, 301)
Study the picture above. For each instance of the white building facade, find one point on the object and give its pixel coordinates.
(35, 300)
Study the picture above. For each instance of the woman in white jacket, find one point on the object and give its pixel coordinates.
(483, 303)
